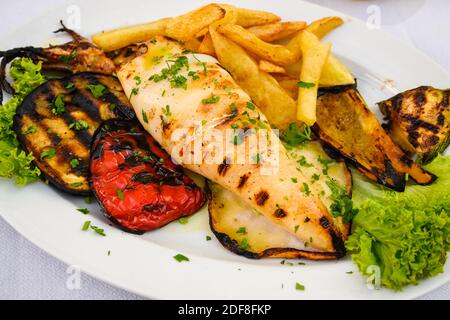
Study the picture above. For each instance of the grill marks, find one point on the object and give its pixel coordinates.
(53, 130)
(261, 198)
(419, 121)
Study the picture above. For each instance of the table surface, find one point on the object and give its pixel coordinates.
(27, 272)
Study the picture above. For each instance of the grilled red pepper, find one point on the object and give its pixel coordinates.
(136, 182)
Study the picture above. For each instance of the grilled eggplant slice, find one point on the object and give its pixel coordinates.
(244, 231)
(345, 124)
(135, 180)
(57, 120)
(419, 121)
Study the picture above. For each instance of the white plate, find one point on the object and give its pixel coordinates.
(145, 264)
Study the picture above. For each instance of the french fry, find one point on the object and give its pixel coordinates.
(207, 46)
(323, 26)
(119, 38)
(290, 86)
(315, 54)
(269, 67)
(192, 44)
(275, 53)
(249, 18)
(277, 31)
(277, 105)
(334, 72)
(185, 27)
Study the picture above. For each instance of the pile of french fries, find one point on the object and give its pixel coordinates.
(281, 65)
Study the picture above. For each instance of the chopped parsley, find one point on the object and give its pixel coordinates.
(208, 238)
(325, 164)
(144, 116)
(299, 286)
(48, 154)
(242, 230)
(251, 106)
(31, 129)
(294, 135)
(67, 58)
(69, 85)
(58, 106)
(79, 125)
(294, 180)
(76, 184)
(97, 90)
(306, 189)
(180, 258)
(244, 244)
(134, 92)
(83, 210)
(166, 111)
(307, 85)
(257, 158)
(303, 162)
(171, 73)
(183, 220)
(194, 75)
(178, 82)
(138, 80)
(296, 228)
(74, 163)
(342, 204)
(86, 226)
(112, 106)
(212, 99)
(120, 194)
(315, 177)
(98, 231)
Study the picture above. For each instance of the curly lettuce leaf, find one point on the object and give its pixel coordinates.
(407, 235)
(14, 162)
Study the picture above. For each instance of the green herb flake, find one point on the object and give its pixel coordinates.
(48, 154)
(183, 220)
(342, 204)
(208, 238)
(242, 230)
(251, 106)
(58, 106)
(30, 130)
(120, 194)
(79, 125)
(307, 85)
(244, 244)
(74, 163)
(84, 210)
(76, 184)
(180, 258)
(299, 287)
(295, 135)
(98, 231)
(166, 111)
(144, 116)
(69, 85)
(294, 180)
(211, 100)
(306, 189)
(97, 90)
(296, 228)
(86, 225)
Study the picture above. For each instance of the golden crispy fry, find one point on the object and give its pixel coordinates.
(249, 18)
(323, 26)
(207, 46)
(335, 73)
(264, 90)
(315, 54)
(193, 44)
(290, 86)
(185, 27)
(275, 53)
(119, 38)
(269, 67)
(277, 31)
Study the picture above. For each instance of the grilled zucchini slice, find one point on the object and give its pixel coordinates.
(345, 124)
(419, 121)
(57, 120)
(242, 230)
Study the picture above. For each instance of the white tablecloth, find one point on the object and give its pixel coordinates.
(26, 272)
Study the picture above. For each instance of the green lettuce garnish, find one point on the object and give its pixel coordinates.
(14, 162)
(407, 235)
